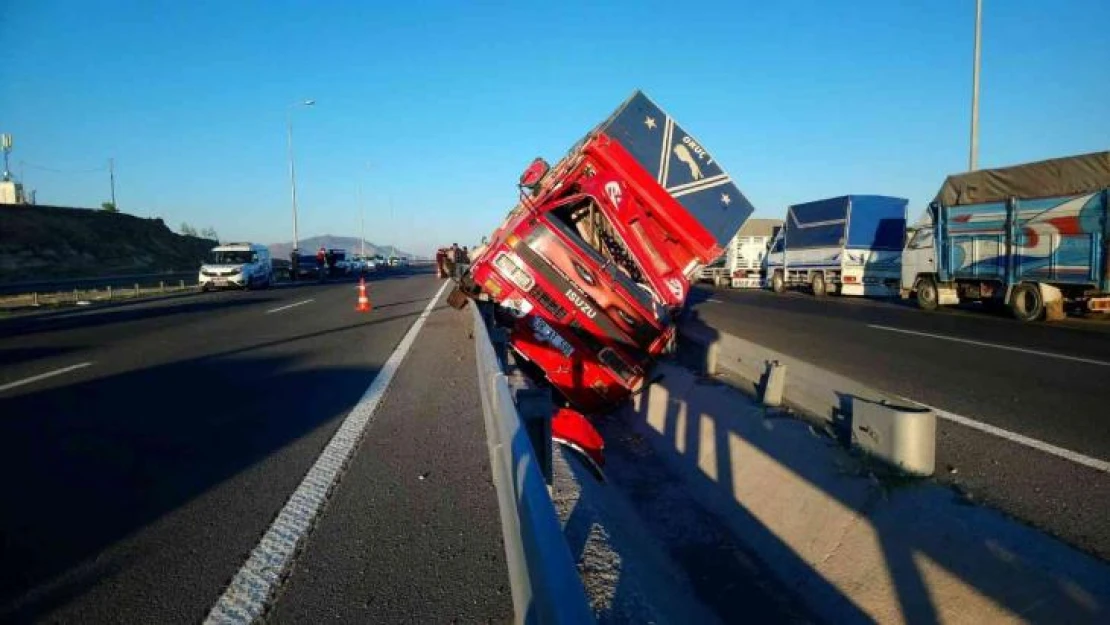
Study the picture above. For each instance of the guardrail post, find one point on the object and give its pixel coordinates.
(161, 286)
(181, 284)
(75, 296)
(772, 383)
(136, 289)
(35, 299)
(109, 292)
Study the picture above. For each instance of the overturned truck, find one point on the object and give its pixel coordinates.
(591, 268)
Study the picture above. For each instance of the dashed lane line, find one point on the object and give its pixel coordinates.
(281, 308)
(43, 376)
(252, 588)
(1035, 352)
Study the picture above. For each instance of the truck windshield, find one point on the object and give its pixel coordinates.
(230, 258)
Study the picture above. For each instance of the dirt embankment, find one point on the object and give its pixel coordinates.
(48, 242)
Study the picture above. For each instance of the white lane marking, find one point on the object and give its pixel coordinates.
(1035, 352)
(246, 597)
(281, 308)
(713, 300)
(1048, 448)
(43, 376)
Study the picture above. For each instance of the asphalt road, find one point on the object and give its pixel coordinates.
(143, 472)
(1047, 382)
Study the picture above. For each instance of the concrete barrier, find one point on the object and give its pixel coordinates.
(903, 436)
(856, 548)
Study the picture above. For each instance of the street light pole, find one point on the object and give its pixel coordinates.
(361, 224)
(292, 167)
(112, 179)
(973, 157)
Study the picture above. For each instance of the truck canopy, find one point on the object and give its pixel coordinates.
(876, 222)
(680, 164)
(1057, 177)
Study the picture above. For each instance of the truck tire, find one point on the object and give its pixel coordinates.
(1026, 303)
(818, 284)
(927, 298)
(778, 283)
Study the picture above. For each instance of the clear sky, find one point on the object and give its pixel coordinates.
(435, 107)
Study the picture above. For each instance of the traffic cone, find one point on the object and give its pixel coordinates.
(363, 298)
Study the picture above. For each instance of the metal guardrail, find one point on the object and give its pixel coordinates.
(545, 584)
(68, 284)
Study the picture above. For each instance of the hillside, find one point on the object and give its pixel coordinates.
(351, 244)
(47, 242)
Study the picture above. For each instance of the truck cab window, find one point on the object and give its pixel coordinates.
(922, 239)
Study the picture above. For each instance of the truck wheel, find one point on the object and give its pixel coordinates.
(927, 294)
(778, 284)
(818, 284)
(1026, 303)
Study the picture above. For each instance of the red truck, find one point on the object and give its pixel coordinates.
(592, 265)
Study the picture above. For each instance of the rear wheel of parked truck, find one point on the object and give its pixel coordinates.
(1026, 302)
(778, 283)
(818, 284)
(926, 293)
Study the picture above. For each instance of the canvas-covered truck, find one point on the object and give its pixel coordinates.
(848, 245)
(747, 250)
(1032, 237)
(591, 266)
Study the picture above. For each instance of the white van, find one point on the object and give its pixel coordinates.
(237, 265)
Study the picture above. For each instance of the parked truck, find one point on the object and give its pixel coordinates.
(1031, 237)
(590, 268)
(848, 245)
(747, 250)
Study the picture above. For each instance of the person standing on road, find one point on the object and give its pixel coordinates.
(321, 261)
(463, 262)
(452, 259)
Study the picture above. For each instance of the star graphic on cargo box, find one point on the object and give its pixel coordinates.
(725, 199)
(649, 122)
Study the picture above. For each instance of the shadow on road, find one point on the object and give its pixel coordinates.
(139, 311)
(781, 488)
(106, 460)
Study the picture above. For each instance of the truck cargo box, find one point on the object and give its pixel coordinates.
(681, 165)
(874, 222)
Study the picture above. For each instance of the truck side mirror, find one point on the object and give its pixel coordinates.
(534, 173)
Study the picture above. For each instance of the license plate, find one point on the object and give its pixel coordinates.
(220, 282)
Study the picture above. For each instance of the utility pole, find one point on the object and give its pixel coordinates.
(361, 224)
(292, 167)
(973, 157)
(112, 180)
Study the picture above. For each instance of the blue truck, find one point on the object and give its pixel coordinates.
(1031, 237)
(848, 245)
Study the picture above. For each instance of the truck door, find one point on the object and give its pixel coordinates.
(919, 257)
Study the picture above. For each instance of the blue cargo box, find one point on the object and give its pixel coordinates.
(873, 222)
(681, 164)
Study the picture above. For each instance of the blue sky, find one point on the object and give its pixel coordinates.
(448, 101)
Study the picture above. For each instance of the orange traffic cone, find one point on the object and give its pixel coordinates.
(363, 298)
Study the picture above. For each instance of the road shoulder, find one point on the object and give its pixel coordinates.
(412, 533)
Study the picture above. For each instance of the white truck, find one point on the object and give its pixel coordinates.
(849, 245)
(746, 251)
(237, 265)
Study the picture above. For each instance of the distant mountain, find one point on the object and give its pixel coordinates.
(351, 244)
